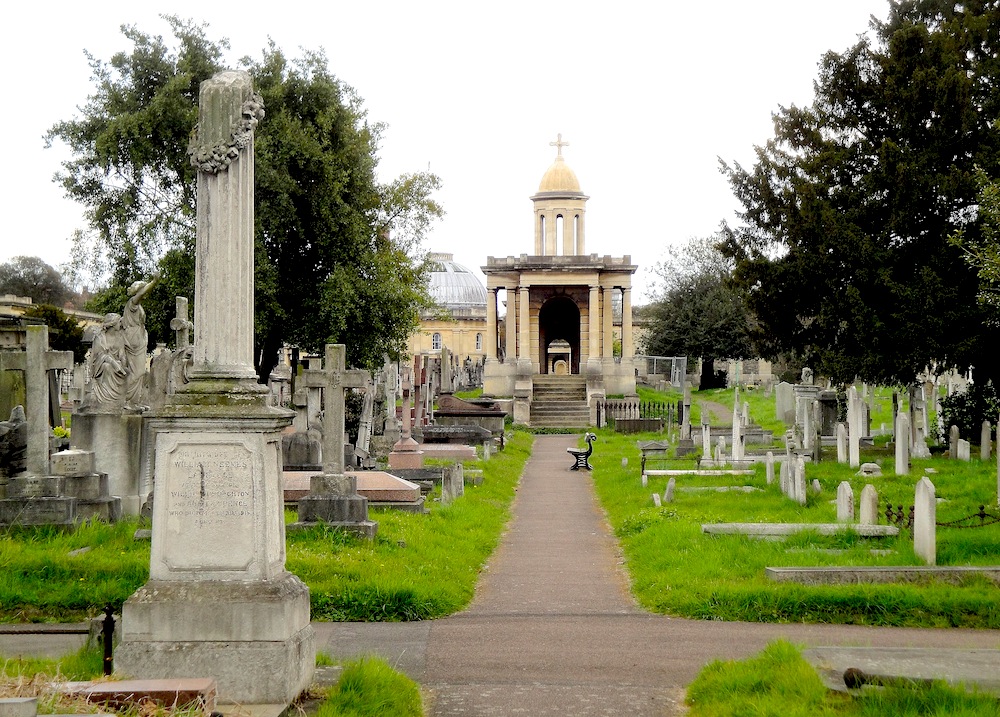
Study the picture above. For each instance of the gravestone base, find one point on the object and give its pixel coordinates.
(333, 500)
(219, 601)
(254, 638)
(50, 510)
(107, 509)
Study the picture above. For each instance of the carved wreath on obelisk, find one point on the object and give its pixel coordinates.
(217, 157)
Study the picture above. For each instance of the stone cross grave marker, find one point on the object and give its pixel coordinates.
(333, 378)
(36, 362)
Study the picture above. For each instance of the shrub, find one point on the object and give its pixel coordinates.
(968, 409)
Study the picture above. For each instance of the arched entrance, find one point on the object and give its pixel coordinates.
(559, 328)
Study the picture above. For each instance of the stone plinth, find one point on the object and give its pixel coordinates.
(114, 440)
(406, 454)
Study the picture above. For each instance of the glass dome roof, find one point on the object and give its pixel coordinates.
(453, 286)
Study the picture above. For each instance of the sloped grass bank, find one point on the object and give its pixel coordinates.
(780, 682)
(678, 570)
(418, 567)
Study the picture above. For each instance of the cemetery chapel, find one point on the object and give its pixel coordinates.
(562, 305)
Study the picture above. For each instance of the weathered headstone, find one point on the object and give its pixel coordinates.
(452, 483)
(985, 441)
(841, 443)
(800, 480)
(668, 493)
(656, 500)
(924, 520)
(769, 467)
(784, 402)
(845, 502)
(219, 600)
(855, 420)
(706, 439)
(902, 453)
(953, 441)
(964, 450)
(868, 509)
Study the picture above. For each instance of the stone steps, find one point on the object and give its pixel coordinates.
(559, 402)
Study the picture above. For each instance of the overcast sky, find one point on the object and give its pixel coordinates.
(648, 94)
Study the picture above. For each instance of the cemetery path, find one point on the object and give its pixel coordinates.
(553, 629)
(719, 414)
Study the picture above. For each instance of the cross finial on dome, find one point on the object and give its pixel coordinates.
(559, 144)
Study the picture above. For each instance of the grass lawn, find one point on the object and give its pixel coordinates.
(676, 569)
(418, 567)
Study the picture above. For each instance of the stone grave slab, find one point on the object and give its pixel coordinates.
(836, 575)
(785, 529)
(448, 451)
(162, 692)
(968, 667)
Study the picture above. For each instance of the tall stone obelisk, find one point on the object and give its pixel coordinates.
(219, 601)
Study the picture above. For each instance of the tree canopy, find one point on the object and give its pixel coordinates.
(65, 332)
(843, 250)
(30, 276)
(338, 256)
(699, 313)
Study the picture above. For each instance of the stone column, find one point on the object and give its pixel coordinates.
(627, 348)
(511, 327)
(524, 325)
(224, 259)
(608, 317)
(581, 243)
(491, 325)
(550, 235)
(594, 325)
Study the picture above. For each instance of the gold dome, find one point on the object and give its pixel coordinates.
(559, 178)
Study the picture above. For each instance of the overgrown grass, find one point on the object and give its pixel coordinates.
(53, 575)
(86, 663)
(418, 567)
(676, 569)
(780, 682)
(369, 687)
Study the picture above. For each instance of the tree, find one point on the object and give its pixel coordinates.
(983, 253)
(30, 276)
(337, 254)
(844, 249)
(65, 333)
(699, 313)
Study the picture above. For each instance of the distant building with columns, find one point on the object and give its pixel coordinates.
(561, 306)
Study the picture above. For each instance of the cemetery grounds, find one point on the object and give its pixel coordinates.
(422, 567)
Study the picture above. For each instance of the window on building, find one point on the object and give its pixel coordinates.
(479, 342)
(436, 342)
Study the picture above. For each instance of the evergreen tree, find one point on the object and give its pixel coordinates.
(844, 250)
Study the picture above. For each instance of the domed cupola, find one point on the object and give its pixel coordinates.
(559, 209)
(454, 287)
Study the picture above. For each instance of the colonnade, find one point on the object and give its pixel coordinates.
(518, 333)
